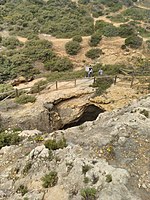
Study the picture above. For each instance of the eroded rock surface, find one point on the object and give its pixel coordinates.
(110, 154)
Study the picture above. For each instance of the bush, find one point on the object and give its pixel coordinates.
(53, 144)
(72, 47)
(9, 138)
(59, 64)
(22, 189)
(85, 168)
(93, 53)
(5, 88)
(39, 86)
(134, 41)
(11, 42)
(110, 31)
(102, 85)
(108, 178)
(88, 194)
(50, 180)
(95, 39)
(125, 30)
(24, 98)
(77, 38)
(27, 168)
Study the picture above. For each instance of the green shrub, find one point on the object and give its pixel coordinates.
(25, 98)
(9, 138)
(5, 88)
(38, 86)
(96, 14)
(125, 30)
(108, 178)
(88, 194)
(84, 1)
(50, 180)
(86, 180)
(53, 144)
(77, 38)
(22, 189)
(27, 168)
(59, 64)
(11, 42)
(134, 41)
(72, 47)
(110, 31)
(93, 53)
(145, 113)
(102, 85)
(100, 25)
(85, 168)
(95, 39)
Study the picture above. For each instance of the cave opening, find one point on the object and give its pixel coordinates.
(90, 113)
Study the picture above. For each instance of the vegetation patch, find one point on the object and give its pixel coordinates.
(11, 42)
(53, 144)
(88, 194)
(38, 86)
(95, 39)
(25, 98)
(59, 64)
(27, 168)
(145, 113)
(22, 189)
(72, 47)
(93, 53)
(108, 178)
(50, 180)
(85, 169)
(77, 38)
(8, 138)
(102, 85)
(134, 41)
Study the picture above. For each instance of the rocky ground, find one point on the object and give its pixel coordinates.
(107, 159)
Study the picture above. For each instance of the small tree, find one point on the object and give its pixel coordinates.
(72, 47)
(77, 38)
(134, 41)
(93, 53)
(95, 39)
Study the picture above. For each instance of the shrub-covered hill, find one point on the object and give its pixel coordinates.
(63, 19)
(59, 18)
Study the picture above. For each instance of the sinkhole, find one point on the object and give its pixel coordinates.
(90, 113)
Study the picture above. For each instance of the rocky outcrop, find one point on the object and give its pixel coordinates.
(110, 154)
(51, 111)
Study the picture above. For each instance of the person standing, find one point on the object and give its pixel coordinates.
(100, 72)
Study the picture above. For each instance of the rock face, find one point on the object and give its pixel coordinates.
(51, 111)
(110, 154)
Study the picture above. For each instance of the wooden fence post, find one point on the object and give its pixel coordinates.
(132, 80)
(115, 80)
(75, 82)
(56, 85)
(16, 93)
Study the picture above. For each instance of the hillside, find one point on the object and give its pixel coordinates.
(118, 30)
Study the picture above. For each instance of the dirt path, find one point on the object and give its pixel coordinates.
(141, 6)
(104, 18)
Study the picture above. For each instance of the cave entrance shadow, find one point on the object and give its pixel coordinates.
(90, 113)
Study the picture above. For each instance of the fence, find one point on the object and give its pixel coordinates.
(57, 85)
